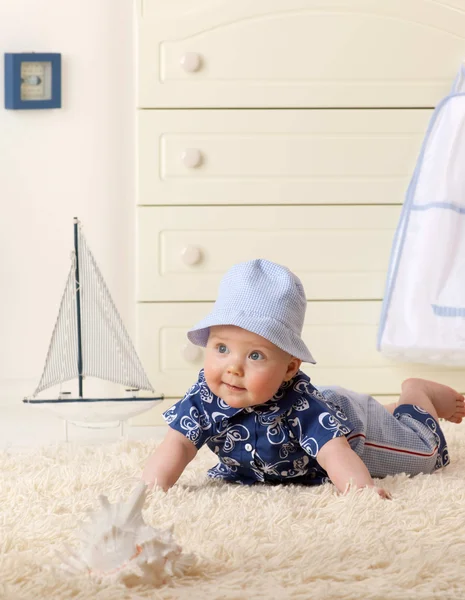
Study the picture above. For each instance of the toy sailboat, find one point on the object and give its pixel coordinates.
(89, 340)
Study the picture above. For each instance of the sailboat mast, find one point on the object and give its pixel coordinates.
(78, 304)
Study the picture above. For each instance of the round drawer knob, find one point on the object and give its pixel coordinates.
(190, 62)
(191, 353)
(191, 157)
(191, 255)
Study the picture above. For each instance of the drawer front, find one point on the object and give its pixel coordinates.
(298, 53)
(277, 156)
(341, 336)
(339, 252)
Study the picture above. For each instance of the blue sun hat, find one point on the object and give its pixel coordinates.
(264, 298)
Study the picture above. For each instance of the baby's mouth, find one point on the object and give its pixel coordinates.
(234, 388)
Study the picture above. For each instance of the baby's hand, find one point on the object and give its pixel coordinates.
(383, 493)
(380, 491)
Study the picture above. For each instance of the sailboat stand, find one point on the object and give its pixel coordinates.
(90, 342)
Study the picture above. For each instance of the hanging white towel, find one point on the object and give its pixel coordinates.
(423, 314)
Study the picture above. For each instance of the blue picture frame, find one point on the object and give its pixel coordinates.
(13, 80)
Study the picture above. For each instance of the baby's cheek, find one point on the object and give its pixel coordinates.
(263, 386)
(212, 378)
(267, 384)
(208, 366)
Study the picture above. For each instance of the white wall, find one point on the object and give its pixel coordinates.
(56, 164)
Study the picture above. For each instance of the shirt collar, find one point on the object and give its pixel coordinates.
(284, 398)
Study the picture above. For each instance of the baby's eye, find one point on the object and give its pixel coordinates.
(256, 355)
(222, 349)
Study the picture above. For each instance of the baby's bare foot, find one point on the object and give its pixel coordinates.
(459, 410)
(449, 404)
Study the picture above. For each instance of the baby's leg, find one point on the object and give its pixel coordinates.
(439, 400)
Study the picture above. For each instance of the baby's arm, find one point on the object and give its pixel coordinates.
(166, 464)
(342, 465)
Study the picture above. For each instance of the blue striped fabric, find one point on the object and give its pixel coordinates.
(448, 311)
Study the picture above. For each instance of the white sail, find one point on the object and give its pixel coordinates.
(106, 348)
(61, 363)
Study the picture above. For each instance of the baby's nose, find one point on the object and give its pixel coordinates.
(235, 369)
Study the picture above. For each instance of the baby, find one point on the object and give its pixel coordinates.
(266, 422)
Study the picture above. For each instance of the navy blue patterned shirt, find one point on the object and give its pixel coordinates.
(274, 442)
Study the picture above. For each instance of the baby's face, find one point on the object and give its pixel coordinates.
(243, 368)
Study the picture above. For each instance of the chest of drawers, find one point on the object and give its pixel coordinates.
(286, 130)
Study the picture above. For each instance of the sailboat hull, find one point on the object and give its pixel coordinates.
(84, 400)
(96, 412)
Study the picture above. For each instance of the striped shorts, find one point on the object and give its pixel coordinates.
(409, 441)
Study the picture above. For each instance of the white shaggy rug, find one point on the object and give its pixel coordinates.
(251, 542)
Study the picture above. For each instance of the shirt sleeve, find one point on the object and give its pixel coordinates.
(190, 416)
(314, 423)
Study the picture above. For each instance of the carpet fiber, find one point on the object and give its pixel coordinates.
(251, 542)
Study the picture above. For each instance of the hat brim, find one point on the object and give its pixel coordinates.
(268, 328)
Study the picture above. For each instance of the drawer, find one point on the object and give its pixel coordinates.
(340, 335)
(339, 252)
(277, 156)
(297, 53)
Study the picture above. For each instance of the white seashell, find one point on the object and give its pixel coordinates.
(118, 544)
